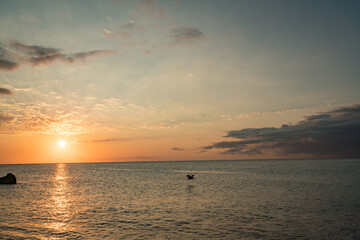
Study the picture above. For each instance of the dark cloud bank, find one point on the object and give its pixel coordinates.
(14, 54)
(331, 134)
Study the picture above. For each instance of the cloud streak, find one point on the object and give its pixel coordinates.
(6, 63)
(178, 149)
(6, 92)
(185, 35)
(134, 27)
(179, 36)
(15, 54)
(331, 134)
(129, 158)
(41, 118)
(5, 118)
(106, 140)
(110, 34)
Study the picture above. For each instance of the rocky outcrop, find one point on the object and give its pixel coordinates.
(8, 179)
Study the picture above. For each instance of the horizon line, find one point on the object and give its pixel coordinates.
(199, 160)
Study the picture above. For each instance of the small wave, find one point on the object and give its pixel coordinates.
(210, 172)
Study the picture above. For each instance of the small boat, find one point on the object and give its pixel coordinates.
(8, 179)
(190, 176)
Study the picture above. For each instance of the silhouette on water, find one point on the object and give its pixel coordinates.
(8, 179)
(190, 176)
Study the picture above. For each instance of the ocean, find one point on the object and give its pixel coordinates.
(252, 199)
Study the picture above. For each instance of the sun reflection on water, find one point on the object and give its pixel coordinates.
(60, 213)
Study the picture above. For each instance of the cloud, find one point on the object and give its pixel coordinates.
(5, 118)
(106, 140)
(35, 51)
(6, 64)
(185, 35)
(134, 27)
(130, 34)
(179, 36)
(107, 33)
(330, 134)
(5, 121)
(110, 34)
(41, 118)
(127, 32)
(49, 114)
(83, 55)
(23, 89)
(178, 149)
(129, 158)
(16, 53)
(4, 91)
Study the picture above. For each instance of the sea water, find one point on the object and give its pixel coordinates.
(253, 199)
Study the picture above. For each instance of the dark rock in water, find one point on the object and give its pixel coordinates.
(8, 179)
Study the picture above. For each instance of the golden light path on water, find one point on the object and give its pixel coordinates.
(59, 201)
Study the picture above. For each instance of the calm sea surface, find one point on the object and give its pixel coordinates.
(268, 199)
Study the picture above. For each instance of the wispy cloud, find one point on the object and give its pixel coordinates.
(134, 27)
(107, 33)
(127, 32)
(5, 121)
(15, 54)
(129, 158)
(23, 89)
(5, 118)
(50, 114)
(257, 114)
(185, 35)
(106, 140)
(5, 91)
(6, 63)
(111, 34)
(41, 118)
(178, 149)
(331, 134)
(178, 36)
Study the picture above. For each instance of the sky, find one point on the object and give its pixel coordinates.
(151, 80)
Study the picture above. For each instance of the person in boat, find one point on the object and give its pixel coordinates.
(8, 179)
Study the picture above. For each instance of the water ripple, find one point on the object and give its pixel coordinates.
(227, 200)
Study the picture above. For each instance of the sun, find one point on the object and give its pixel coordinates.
(62, 143)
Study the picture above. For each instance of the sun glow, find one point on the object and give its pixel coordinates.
(62, 143)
